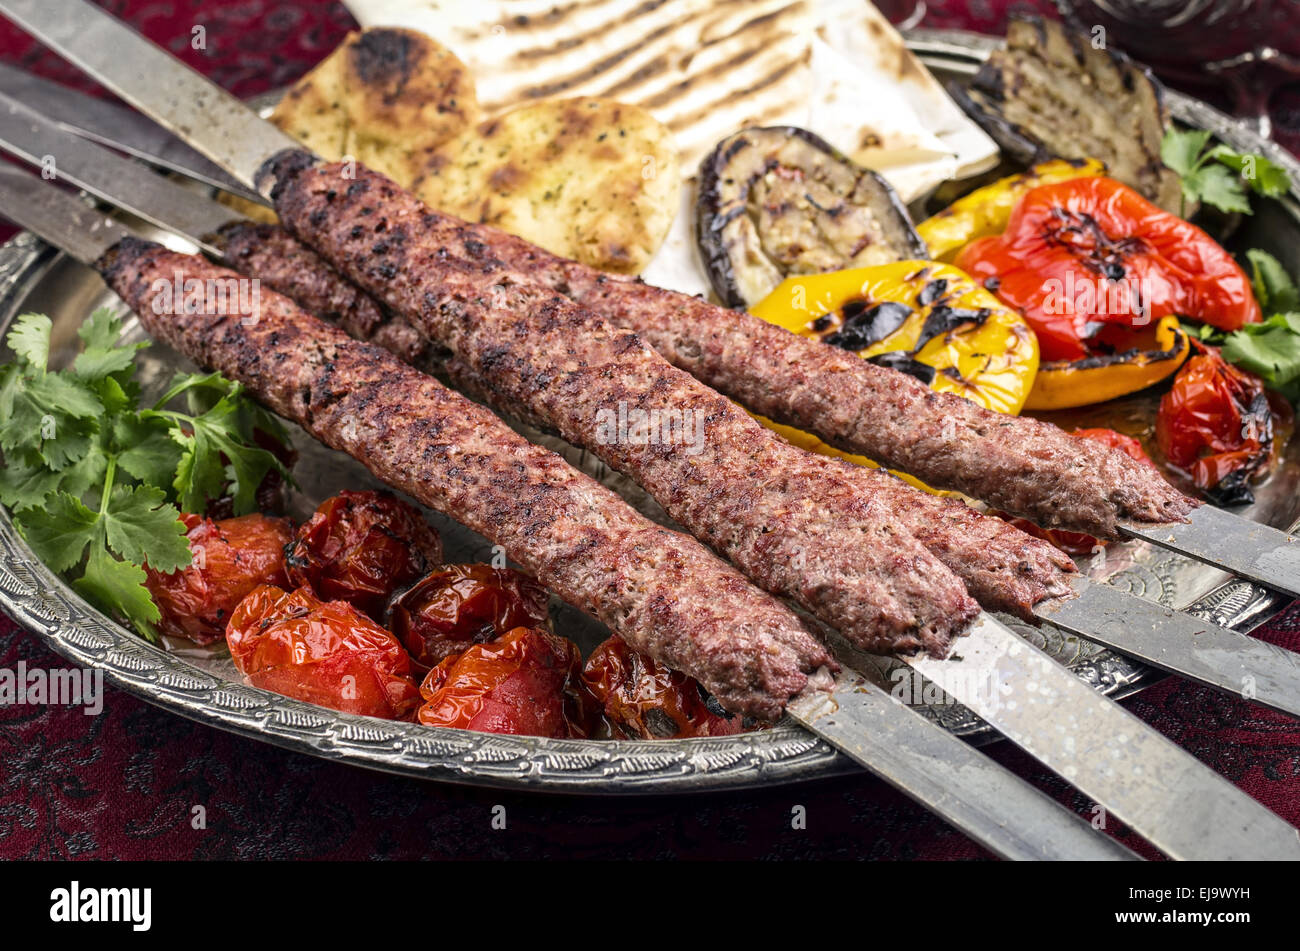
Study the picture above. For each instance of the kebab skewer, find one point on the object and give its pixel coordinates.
(646, 581)
(1174, 641)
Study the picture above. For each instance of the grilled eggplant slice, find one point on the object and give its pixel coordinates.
(1052, 94)
(781, 201)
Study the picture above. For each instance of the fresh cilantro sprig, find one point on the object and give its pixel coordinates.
(1218, 175)
(1271, 348)
(95, 481)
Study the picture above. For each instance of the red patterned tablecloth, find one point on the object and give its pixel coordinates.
(124, 784)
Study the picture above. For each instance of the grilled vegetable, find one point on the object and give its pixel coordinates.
(1089, 261)
(323, 652)
(781, 201)
(460, 605)
(924, 318)
(524, 683)
(642, 699)
(986, 210)
(230, 558)
(1216, 425)
(1051, 93)
(1156, 352)
(361, 547)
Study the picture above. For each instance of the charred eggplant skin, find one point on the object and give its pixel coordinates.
(721, 210)
(1015, 142)
(1003, 108)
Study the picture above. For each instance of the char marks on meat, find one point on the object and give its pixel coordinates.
(1003, 568)
(799, 525)
(1022, 465)
(660, 590)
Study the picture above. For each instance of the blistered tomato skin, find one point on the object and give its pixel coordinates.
(643, 700)
(231, 558)
(524, 683)
(457, 606)
(361, 547)
(1216, 424)
(323, 652)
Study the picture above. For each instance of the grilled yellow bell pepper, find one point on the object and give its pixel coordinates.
(972, 345)
(986, 210)
(1062, 384)
(925, 318)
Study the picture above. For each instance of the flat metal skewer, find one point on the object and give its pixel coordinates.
(1248, 549)
(112, 125)
(1162, 792)
(948, 776)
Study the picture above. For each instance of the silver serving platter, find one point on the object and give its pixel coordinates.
(203, 685)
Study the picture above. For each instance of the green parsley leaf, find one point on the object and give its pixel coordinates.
(103, 356)
(43, 414)
(1217, 186)
(221, 437)
(1264, 176)
(1180, 150)
(1219, 175)
(1273, 353)
(101, 330)
(25, 485)
(30, 340)
(1274, 288)
(118, 586)
(142, 527)
(153, 453)
(60, 532)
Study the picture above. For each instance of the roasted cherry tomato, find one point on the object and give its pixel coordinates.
(1216, 425)
(361, 547)
(323, 652)
(1076, 543)
(1088, 260)
(642, 699)
(525, 682)
(459, 605)
(231, 558)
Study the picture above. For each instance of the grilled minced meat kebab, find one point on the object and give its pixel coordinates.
(1003, 568)
(799, 525)
(1024, 466)
(661, 591)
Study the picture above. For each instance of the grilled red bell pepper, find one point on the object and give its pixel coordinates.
(1088, 261)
